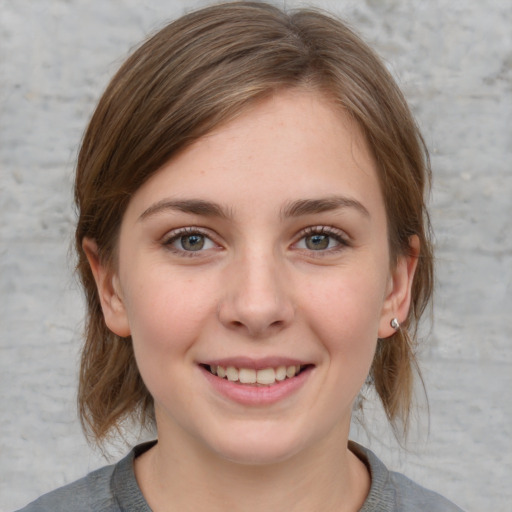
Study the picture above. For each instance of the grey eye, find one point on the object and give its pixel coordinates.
(193, 242)
(317, 242)
(189, 240)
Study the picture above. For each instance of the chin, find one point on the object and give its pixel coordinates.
(258, 449)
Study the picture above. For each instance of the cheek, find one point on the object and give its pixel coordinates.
(166, 312)
(345, 313)
(166, 317)
(345, 302)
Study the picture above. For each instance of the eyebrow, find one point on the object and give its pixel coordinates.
(326, 204)
(192, 206)
(291, 209)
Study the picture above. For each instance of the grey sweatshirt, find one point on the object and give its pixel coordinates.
(114, 489)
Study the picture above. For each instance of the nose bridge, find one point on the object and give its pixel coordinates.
(258, 297)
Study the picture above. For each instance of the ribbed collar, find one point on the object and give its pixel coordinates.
(124, 485)
(381, 497)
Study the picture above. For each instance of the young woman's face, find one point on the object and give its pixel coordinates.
(260, 252)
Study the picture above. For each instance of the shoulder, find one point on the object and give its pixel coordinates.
(109, 489)
(92, 492)
(411, 496)
(394, 492)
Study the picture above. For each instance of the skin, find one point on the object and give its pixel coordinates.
(280, 274)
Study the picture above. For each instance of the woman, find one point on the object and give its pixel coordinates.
(254, 246)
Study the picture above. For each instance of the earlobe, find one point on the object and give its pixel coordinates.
(109, 292)
(398, 300)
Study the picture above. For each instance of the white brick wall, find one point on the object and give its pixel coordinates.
(454, 62)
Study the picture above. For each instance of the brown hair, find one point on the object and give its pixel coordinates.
(194, 74)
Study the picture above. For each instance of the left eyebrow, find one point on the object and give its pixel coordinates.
(325, 204)
(192, 206)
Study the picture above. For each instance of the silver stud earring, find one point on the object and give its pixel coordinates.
(395, 324)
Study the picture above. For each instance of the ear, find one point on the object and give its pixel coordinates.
(398, 298)
(109, 293)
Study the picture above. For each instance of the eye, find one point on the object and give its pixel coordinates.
(321, 238)
(318, 242)
(189, 240)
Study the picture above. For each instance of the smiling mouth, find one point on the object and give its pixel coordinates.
(250, 376)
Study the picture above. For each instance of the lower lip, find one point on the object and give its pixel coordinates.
(247, 394)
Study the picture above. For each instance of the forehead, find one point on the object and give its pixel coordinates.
(295, 144)
(290, 121)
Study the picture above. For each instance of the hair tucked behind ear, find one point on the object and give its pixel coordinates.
(195, 74)
(392, 374)
(110, 384)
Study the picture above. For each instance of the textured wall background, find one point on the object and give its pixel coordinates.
(454, 62)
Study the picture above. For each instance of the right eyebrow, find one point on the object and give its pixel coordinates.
(192, 206)
(323, 204)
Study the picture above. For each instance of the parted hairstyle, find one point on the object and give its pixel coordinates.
(196, 73)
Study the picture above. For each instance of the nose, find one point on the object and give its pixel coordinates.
(257, 297)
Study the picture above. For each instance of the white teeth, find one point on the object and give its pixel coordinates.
(247, 376)
(232, 373)
(281, 373)
(266, 376)
(290, 371)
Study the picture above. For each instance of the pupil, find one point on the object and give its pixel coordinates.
(192, 242)
(316, 242)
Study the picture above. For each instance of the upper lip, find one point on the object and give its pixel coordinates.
(255, 364)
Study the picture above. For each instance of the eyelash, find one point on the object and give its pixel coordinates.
(333, 233)
(336, 234)
(174, 236)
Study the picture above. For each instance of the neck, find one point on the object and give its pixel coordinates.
(327, 477)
